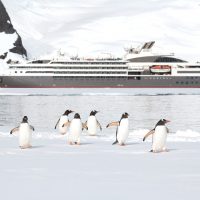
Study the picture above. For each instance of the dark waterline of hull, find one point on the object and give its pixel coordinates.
(109, 82)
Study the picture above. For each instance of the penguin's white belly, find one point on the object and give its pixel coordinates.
(159, 138)
(92, 125)
(123, 131)
(25, 135)
(63, 119)
(75, 130)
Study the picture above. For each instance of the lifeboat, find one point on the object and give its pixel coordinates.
(160, 69)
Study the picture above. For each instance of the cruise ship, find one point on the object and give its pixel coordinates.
(141, 68)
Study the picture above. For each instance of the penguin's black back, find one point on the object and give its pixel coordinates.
(25, 119)
(77, 116)
(93, 113)
(67, 112)
(161, 122)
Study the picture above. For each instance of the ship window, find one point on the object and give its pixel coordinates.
(185, 72)
(15, 72)
(156, 59)
(195, 66)
(134, 73)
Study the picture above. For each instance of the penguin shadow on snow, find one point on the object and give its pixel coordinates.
(132, 143)
(166, 151)
(37, 147)
(82, 144)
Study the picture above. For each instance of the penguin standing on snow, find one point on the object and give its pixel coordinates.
(75, 129)
(159, 134)
(92, 123)
(63, 119)
(122, 131)
(25, 133)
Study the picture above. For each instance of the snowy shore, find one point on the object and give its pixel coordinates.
(97, 170)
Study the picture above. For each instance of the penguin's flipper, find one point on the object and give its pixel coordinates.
(148, 134)
(14, 130)
(57, 123)
(84, 126)
(99, 125)
(33, 129)
(112, 124)
(66, 124)
(115, 142)
(167, 130)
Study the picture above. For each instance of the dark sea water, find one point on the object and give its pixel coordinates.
(145, 110)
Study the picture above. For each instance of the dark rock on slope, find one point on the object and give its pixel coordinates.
(7, 27)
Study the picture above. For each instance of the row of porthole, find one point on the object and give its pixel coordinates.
(18, 72)
(43, 68)
(96, 79)
(196, 82)
(192, 77)
(157, 78)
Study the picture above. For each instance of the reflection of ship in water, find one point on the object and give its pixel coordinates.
(140, 68)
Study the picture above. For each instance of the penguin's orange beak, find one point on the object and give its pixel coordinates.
(167, 121)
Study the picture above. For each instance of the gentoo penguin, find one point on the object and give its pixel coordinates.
(25, 133)
(63, 119)
(75, 129)
(159, 134)
(122, 129)
(92, 123)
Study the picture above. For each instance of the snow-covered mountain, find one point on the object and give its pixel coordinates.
(10, 41)
(91, 27)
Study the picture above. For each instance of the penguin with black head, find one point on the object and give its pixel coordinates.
(25, 133)
(63, 119)
(159, 136)
(122, 131)
(75, 129)
(92, 123)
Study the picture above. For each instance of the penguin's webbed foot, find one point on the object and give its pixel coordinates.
(165, 150)
(25, 147)
(70, 143)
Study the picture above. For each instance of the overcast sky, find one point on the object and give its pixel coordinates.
(89, 26)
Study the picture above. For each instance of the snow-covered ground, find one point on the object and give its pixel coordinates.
(98, 170)
(94, 27)
(5, 45)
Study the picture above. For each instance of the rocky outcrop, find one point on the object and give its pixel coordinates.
(7, 28)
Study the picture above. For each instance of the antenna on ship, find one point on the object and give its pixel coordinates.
(60, 53)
